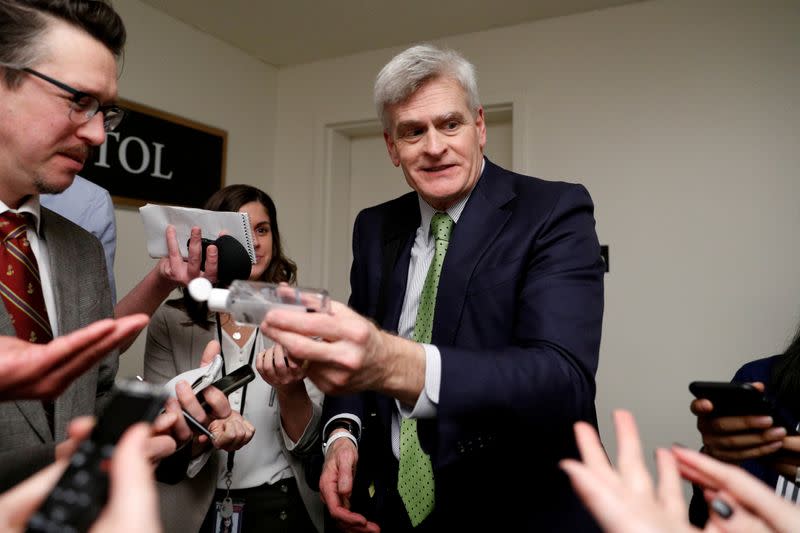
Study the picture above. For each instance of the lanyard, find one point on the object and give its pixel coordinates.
(231, 455)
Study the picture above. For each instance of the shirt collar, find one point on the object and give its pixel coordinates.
(32, 207)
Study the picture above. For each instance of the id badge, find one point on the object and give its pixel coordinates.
(228, 516)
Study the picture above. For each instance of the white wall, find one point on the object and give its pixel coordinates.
(680, 116)
(173, 67)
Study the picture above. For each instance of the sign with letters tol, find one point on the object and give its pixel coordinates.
(159, 158)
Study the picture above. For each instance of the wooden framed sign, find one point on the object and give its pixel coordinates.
(160, 158)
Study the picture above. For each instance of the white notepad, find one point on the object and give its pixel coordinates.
(212, 224)
(198, 378)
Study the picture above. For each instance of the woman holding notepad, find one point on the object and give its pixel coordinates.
(262, 486)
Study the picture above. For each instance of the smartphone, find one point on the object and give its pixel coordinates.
(82, 491)
(741, 399)
(229, 383)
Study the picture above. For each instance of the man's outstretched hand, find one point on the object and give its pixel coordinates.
(43, 371)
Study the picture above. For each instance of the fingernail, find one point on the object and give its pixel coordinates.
(679, 445)
(721, 508)
(775, 433)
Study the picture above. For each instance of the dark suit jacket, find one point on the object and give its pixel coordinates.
(82, 296)
(517, 321)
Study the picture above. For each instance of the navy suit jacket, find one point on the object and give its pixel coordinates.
(518, 320)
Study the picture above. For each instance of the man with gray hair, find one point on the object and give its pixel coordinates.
(493, 283)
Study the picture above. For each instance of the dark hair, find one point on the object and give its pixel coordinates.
(785, 379)
(232, 198)
(22, 23)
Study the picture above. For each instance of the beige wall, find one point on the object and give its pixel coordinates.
(680, 116)
(171, 66)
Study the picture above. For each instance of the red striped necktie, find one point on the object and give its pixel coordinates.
(20, 286)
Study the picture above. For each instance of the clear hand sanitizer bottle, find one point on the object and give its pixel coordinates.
(248, 301)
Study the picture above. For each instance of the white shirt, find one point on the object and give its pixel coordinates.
(788, 490)
(262, 460)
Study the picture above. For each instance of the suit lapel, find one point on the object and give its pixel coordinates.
(33, 411)
(397, 239)
(63, 261)
(482, 220)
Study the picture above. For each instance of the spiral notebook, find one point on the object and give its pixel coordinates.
(212, 224)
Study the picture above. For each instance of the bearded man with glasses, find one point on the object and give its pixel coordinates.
(58, 77)
(58, 86)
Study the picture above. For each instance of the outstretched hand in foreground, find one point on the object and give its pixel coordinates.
(43, 371)
(625, 498)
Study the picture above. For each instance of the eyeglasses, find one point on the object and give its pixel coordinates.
(84, 106)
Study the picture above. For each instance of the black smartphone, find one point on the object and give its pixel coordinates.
(229, 383)
(741, 399)
(82, 491)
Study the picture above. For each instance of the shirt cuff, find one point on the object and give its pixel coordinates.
(348, 416)
(428, 401)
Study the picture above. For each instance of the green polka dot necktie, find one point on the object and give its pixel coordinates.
(415, 478)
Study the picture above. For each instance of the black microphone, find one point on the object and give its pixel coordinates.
(233, 259)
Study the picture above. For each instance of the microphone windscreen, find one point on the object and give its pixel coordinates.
(234, 261)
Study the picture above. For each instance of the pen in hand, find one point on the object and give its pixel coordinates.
(192, 421)
(197, 425)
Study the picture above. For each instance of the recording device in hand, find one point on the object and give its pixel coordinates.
(229, 383)
(741, 399)
(82, 491)
(233, 259)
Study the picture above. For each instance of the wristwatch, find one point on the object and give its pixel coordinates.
(345, 423)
